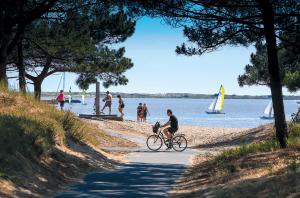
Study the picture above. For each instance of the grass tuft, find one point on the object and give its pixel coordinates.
(29, 129)
(224, 161)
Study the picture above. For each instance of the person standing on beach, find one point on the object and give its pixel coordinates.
(145, 112)
(108, 102)
(61, 99)
(139, 112)
(121, 105)
(173, 123)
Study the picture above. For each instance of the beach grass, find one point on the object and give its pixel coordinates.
(30, 130)
(225, 159)
(259, 169)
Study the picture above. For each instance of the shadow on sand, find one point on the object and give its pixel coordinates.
(129, 181)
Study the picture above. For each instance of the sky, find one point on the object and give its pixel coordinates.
(158, 69)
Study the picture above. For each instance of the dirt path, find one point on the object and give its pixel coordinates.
(147, 174)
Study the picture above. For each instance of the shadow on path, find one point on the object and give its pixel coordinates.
(130, 181)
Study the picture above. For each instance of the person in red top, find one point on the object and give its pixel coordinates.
(61, 99)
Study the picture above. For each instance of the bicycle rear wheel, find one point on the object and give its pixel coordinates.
(179, 143)
(154, 142)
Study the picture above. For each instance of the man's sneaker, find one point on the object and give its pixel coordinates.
(169, 145)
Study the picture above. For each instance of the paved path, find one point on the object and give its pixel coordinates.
(148, 174)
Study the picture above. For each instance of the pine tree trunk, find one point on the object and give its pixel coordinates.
(21, 67)
(3, 61)
(37, 89)
(97, 99)
(274, 71)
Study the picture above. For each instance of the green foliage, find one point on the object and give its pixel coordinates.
(245, 149)
(292, 80)
(73, 127)
(108, 67)
(223, 160)
(78, 42)
(293, 167)
(294, 135)
(209, 25)
(29, 137)
(256, 73)
(289, 55)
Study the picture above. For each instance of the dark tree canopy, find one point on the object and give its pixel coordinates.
(75, 41)
(78, 41)
(109, 66)
(210, 24)
(256, 73)
(17, 15)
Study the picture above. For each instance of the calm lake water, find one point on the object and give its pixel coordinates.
(243, 113)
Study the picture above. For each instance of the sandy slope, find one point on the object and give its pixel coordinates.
(64, 166)
(196, 135)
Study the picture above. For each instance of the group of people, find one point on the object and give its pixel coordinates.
(142, 109)
(108, 103)
(142, 112)
(170, 127)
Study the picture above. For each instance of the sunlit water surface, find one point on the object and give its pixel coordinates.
(239, 113)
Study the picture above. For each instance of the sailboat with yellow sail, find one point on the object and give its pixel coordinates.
(217, 104)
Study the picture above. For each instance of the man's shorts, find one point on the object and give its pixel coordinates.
(172, 130)
(108, 103)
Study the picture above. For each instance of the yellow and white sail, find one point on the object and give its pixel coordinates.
(217, 105)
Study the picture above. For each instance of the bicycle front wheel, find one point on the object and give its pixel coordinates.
(154, 142)
(179, 143)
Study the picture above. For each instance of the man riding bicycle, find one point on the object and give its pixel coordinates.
(167, 136)
(173, 123)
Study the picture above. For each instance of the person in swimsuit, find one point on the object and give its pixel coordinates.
(145, 112)
(139, 112)
(108, 102)
(121, 105)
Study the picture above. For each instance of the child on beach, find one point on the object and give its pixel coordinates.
(121, 105)
(61, 99)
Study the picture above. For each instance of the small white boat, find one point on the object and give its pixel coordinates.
(269, 112)
(217, 105)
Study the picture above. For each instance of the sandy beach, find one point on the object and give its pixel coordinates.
(197, 136)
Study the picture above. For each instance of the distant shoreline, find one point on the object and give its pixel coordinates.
(174, 95)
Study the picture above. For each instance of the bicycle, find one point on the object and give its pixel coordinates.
(155, 141)
(295, 117)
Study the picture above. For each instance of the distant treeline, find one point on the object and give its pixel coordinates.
(176, 95)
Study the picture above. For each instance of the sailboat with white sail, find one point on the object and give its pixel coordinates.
(217, 105)
(70, 95)
(83, 95)
(268, 112)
